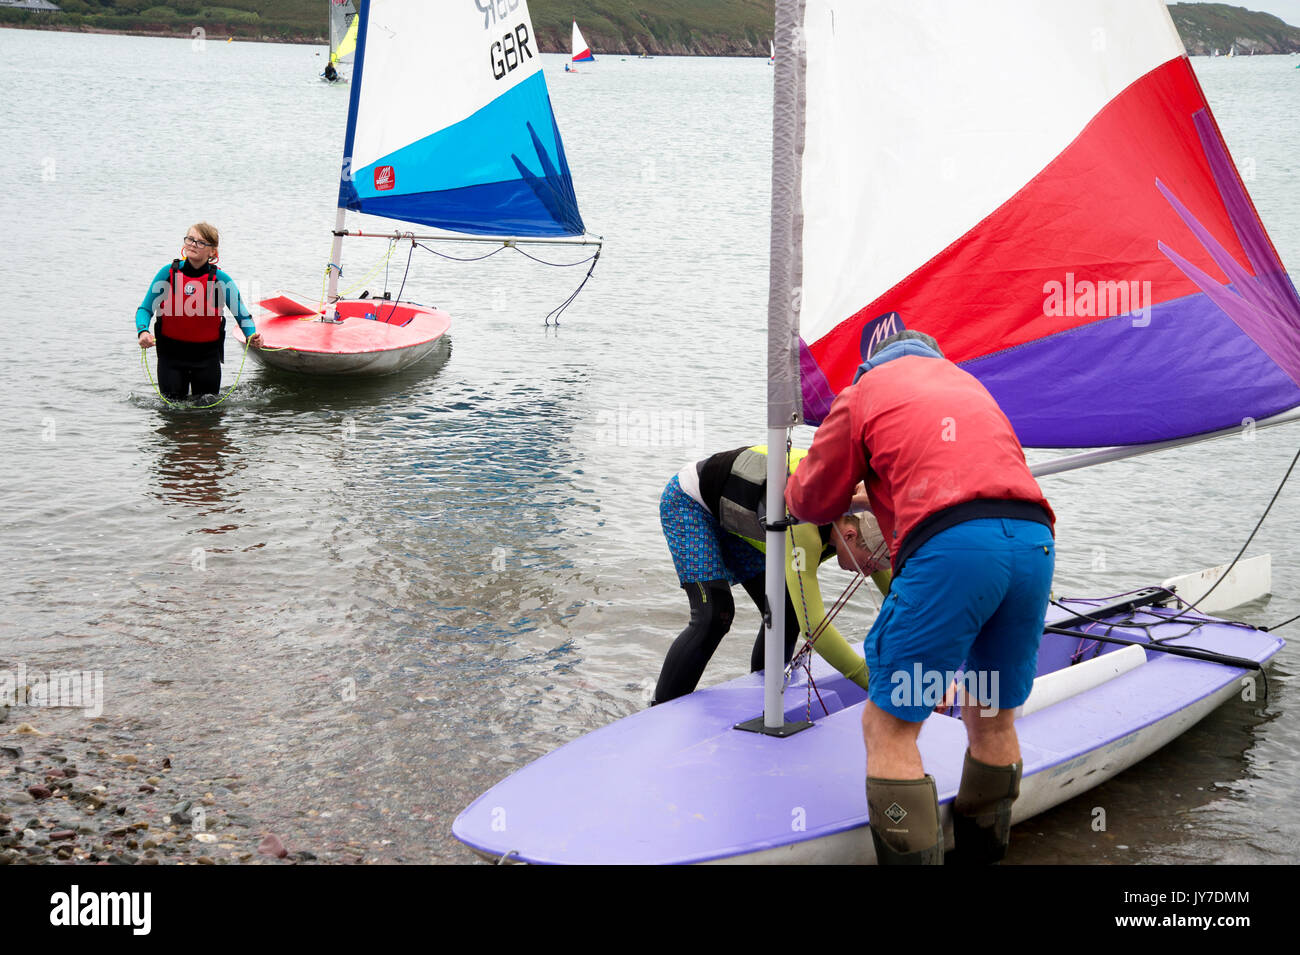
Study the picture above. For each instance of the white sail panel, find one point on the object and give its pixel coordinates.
(913, 138)
(413, 47)
(581, 52)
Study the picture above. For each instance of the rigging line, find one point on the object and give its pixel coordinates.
(1277, 626)
(1194, 653)
(1224, 576)
(457, 258)
(556, 265)
(1131, 623)
(393, 310)
(178, 404)
(557, 312)
(383, 263)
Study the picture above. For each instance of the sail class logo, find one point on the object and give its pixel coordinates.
(1083, 298)
(385, 178)
(877, 330)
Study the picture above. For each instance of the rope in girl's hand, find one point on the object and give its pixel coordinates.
(172, 404)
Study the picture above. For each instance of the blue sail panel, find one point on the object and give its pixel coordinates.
(502, 170)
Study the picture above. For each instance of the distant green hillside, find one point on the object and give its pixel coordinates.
(716, 27)
(610, 26)
(1206, 27)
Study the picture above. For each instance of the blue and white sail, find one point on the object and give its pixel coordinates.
(450, 123)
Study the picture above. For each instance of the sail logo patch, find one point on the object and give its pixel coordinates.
(385, 178)
(877, 330)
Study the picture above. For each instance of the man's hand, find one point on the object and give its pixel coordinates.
(146, 340)
(255, 340)
(861, 502)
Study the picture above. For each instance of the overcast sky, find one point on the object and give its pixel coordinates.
(1288, 10)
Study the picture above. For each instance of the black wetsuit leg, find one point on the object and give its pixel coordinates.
(712, 611)
(754, 587)
(178, 379)
(173, 381)
(205, 378)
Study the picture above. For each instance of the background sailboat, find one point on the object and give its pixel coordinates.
(922, 189)
(343, 34)
(483, 158)
(581, 51)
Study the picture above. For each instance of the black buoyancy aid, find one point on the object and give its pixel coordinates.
(190, 311)
(733, 485)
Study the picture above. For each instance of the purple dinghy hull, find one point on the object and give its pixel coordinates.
(677, 784)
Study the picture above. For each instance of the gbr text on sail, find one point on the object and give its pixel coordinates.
(507, 51)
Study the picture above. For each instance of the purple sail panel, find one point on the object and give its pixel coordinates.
(1134, 379)
(817, 393)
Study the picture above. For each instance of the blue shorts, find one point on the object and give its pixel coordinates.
(976, 594)
(701, 549)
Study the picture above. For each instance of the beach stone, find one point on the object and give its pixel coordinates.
(149, 861)
(180, 813)
(8, 856)
(27, 729)
(147, 789)
(63, 834)
(272, 846)
(5, 819)
(122, 858)
(204, 860)
(11, 752)
(53, 774)
(39, 792)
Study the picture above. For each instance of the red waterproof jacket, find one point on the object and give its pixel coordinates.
(927, 438)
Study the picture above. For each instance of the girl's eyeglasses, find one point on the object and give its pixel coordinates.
(197, 243)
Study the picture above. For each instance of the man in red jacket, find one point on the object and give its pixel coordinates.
(970, 538)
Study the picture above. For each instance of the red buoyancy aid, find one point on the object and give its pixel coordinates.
(190, 310)
(934, 438)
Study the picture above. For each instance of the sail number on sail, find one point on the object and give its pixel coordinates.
(509, 51)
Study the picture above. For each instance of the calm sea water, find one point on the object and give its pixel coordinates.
(376, 599)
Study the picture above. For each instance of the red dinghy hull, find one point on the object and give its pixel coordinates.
(371, 337)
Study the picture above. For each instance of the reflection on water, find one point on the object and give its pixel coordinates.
(196, 463)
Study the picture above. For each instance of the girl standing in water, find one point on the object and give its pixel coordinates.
(187, 297)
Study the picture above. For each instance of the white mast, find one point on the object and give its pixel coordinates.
(783, 402)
